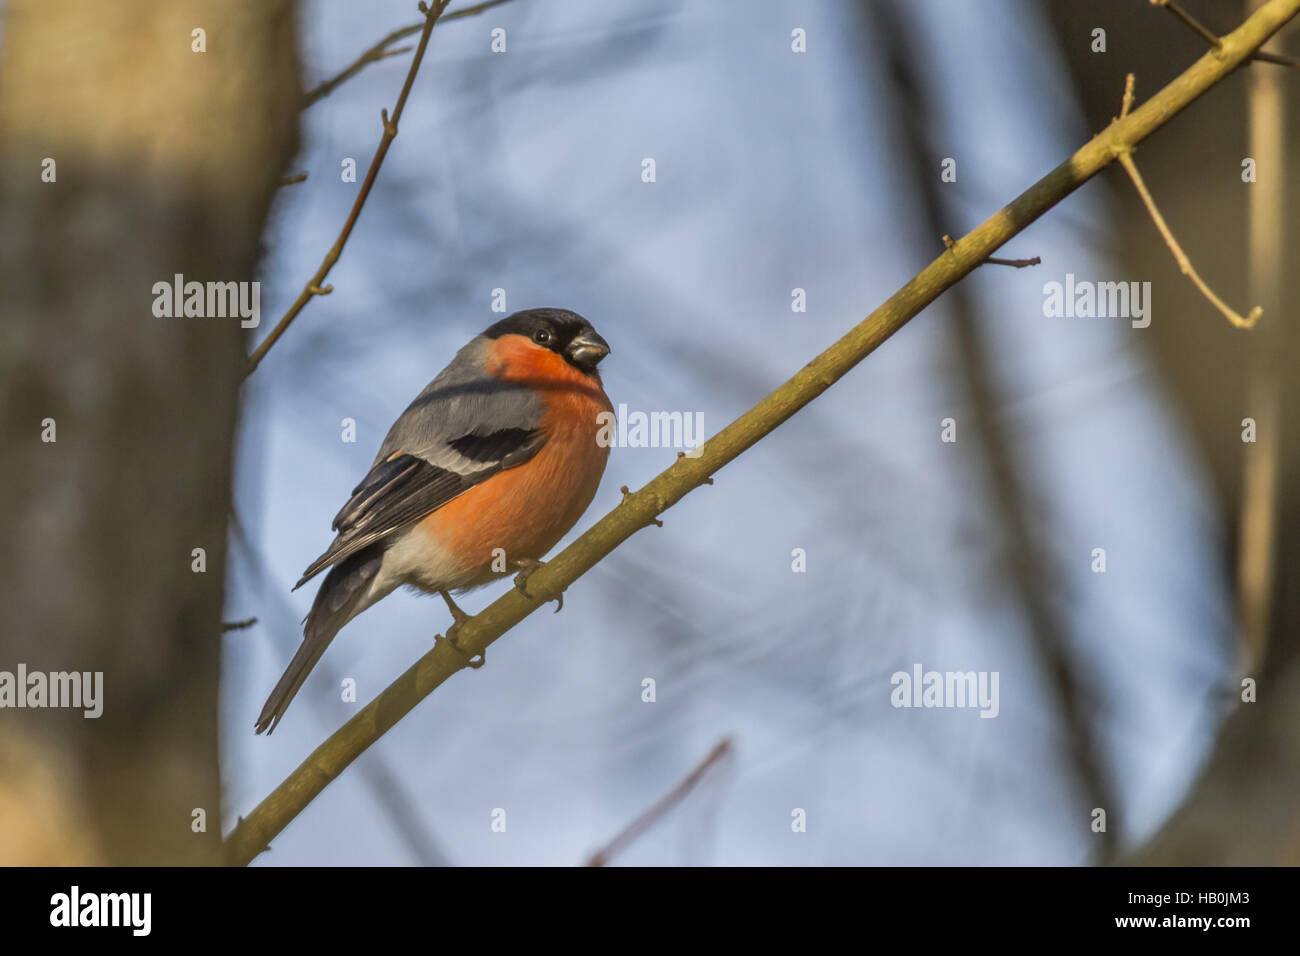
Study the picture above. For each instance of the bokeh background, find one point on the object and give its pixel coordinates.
(775, 170)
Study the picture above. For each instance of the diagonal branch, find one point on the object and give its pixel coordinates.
(381, 51)
(316, 285)
(1184, 263)
(665, 803)
(641, 508)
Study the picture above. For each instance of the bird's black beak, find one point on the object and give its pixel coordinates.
(586, 349)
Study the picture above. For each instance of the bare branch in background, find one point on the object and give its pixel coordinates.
(661, 807)
(1209, 36)
(1184, 263)
(641, 508)
(315, 286)
(381, 51)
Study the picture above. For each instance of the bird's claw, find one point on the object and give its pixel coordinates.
(459, 617)
(452, 638)
(528, 566)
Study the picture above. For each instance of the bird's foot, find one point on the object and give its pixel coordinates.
(528, 566)
(457, 614)
(459, 617)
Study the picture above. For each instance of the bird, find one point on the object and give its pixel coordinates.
(482, 474)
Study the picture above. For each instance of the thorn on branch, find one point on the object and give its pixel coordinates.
(948, 243)
(1014, 263)
(1127, 103)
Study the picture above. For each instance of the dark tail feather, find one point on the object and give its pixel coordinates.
(337, 602)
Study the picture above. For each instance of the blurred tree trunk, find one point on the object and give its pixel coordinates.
(165, 160)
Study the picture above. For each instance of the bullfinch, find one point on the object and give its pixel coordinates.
(482, 474)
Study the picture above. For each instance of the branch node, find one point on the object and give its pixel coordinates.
(993, 260)
(472, 661)
(320, 289)
(390, 128)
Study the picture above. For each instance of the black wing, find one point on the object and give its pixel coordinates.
(403, 489)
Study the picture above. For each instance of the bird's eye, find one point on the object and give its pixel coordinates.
(542, 336)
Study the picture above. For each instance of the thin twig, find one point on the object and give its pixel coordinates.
(685, 474)
(1127, 103)
(237, 625)
(1210, 37)
(291, 180)
(1184, 263)
(665, 803)
(1265, 57)
(316, 285)
(1205, 33)
(995, 261)
(380, 51)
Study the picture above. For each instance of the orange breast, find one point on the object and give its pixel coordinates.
(526, 510)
